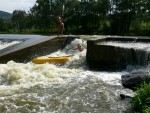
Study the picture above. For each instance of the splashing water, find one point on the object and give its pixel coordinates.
(6, 44)
(71, 88)
(135, 45)
(79, 57)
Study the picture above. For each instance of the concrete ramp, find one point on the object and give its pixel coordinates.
(30, 48)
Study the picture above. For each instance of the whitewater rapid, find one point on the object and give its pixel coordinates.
(69, 88)
(6, 44)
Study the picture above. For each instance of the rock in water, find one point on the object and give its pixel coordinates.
(134, 80)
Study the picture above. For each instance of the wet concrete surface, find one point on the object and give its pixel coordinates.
(31, 46)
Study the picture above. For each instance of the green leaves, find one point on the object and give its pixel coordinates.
(117, 17)
(141, 101)
(18, 19)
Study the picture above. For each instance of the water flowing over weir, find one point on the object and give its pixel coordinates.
(69, 88)
(114, 53)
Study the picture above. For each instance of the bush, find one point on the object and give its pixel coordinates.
(141, 102)
(146, 110)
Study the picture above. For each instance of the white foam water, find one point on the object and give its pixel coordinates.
(6, 44)
(70, 88)
(135, 45)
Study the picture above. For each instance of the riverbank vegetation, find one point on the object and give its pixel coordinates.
(141, 102)
(101, 17)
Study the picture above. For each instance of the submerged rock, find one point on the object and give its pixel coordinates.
(123, 96)
(134, 80)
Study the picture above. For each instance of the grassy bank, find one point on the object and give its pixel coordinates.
(141, 32)
(36, 32)
(141, 102)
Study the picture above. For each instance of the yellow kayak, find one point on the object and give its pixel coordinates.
(52, 60)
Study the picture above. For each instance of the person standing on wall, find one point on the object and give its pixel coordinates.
(60, 26)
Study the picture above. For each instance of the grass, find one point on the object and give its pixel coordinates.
(141, 102)
(34, 31)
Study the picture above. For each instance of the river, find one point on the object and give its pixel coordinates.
(69, 88)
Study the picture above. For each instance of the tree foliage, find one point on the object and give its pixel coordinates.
(118, 17)
(18, 20)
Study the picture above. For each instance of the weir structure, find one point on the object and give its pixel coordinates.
(111, 57)
(99, 56)
(30, 48)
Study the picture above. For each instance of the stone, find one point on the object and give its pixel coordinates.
(135, 80)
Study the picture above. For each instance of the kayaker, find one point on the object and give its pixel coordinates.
(60, 26)
(79, 48)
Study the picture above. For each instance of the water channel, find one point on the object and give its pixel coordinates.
(69, 88)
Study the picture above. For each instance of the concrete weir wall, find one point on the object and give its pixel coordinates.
(111, 57)
(29, 49)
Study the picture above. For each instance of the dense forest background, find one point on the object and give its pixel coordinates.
(100, 17)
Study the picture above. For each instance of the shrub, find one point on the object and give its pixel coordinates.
(141, 102)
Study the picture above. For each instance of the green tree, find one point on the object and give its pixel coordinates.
(2, 25)
(42, 14)
(124, 13)
(18, 20)
(72, 16)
